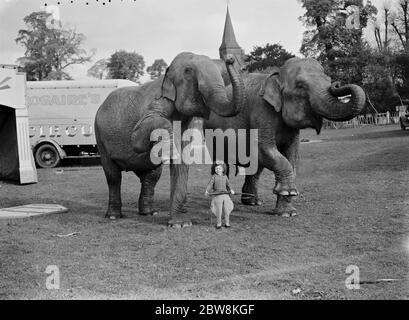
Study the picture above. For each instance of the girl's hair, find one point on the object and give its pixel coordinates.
(218, 163)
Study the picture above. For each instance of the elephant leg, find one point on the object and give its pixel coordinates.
(250, 186)
(284, 206)
(178, 183)
(283, 171)
(113, 175)
(148, 182)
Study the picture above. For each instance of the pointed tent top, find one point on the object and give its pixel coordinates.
(229, 39)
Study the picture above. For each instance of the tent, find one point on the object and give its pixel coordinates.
(16, 157)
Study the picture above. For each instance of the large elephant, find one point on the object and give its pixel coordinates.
(192, 86)
(296, 96)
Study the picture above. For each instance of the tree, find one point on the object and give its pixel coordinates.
(329, 36)
(263, 57)
(400, 24)
(99, 70)
(157, 68)
(126, 65)
(401, 62)
(342, 50)
(379, 81)
(393, 51)
(49, 51)
(383, 44)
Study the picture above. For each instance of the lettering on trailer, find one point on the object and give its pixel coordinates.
(64, 100)
(57, 131)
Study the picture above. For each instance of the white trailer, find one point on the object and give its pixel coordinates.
(61, 117)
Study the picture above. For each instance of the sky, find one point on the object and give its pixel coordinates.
(159, 28)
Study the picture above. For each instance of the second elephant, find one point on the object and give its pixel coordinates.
(296, 96)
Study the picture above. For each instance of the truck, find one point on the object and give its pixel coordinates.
(61, 117)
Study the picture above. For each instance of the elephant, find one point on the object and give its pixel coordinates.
(192, 86)
(296, 96)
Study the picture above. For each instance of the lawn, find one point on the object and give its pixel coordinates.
(353, 210)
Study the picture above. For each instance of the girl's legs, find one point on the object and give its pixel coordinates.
(227, 208)
(217, 209)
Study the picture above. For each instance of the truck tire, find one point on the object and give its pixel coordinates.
(47, 156)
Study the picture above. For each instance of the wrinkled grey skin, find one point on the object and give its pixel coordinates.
(298, 95)
(192, 86)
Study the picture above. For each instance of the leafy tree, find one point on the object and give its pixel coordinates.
(401, 62)
(49, 51)
(340, 49)
(382, 72)
(126, 65)
(328, 36)
(379, 81)
(264, 57)
(393, 50)
(157, 68)
(99, 70)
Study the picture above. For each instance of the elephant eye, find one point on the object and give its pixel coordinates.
(300, 85)
(188, 70)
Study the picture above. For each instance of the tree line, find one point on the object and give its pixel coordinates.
(380, 67)
(348, 55)
(49, 51)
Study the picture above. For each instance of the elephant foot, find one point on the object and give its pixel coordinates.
(284, 213)
(113, 214)
(147, 212)
(179, 223)
(251, 201)
(284, 208)
(285, 189)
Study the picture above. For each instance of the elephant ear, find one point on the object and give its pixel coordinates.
(168, 89)
(271, 90)
(141, 134)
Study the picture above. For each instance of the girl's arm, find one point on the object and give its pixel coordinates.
(228, 186)
(209, 187)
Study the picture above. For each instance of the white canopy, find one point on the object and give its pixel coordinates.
(16, 157)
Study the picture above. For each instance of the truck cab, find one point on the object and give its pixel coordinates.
(61, 117)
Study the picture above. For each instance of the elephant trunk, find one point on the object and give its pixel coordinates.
(330, 107)
(216, 98)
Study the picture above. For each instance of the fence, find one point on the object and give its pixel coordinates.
(363, 120)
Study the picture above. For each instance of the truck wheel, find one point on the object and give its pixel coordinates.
(47, 156)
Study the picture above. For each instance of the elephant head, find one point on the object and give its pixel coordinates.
(304, 94)
(192, 86)
(195, 85)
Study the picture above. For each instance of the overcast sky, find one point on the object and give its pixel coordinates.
(160, 28)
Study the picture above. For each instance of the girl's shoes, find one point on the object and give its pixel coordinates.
(226, 226)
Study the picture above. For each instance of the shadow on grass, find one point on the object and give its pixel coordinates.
(391, 159)
(373, 135)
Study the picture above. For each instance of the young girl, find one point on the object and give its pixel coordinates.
(219, 185)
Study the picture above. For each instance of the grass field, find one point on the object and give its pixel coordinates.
(353, 210)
